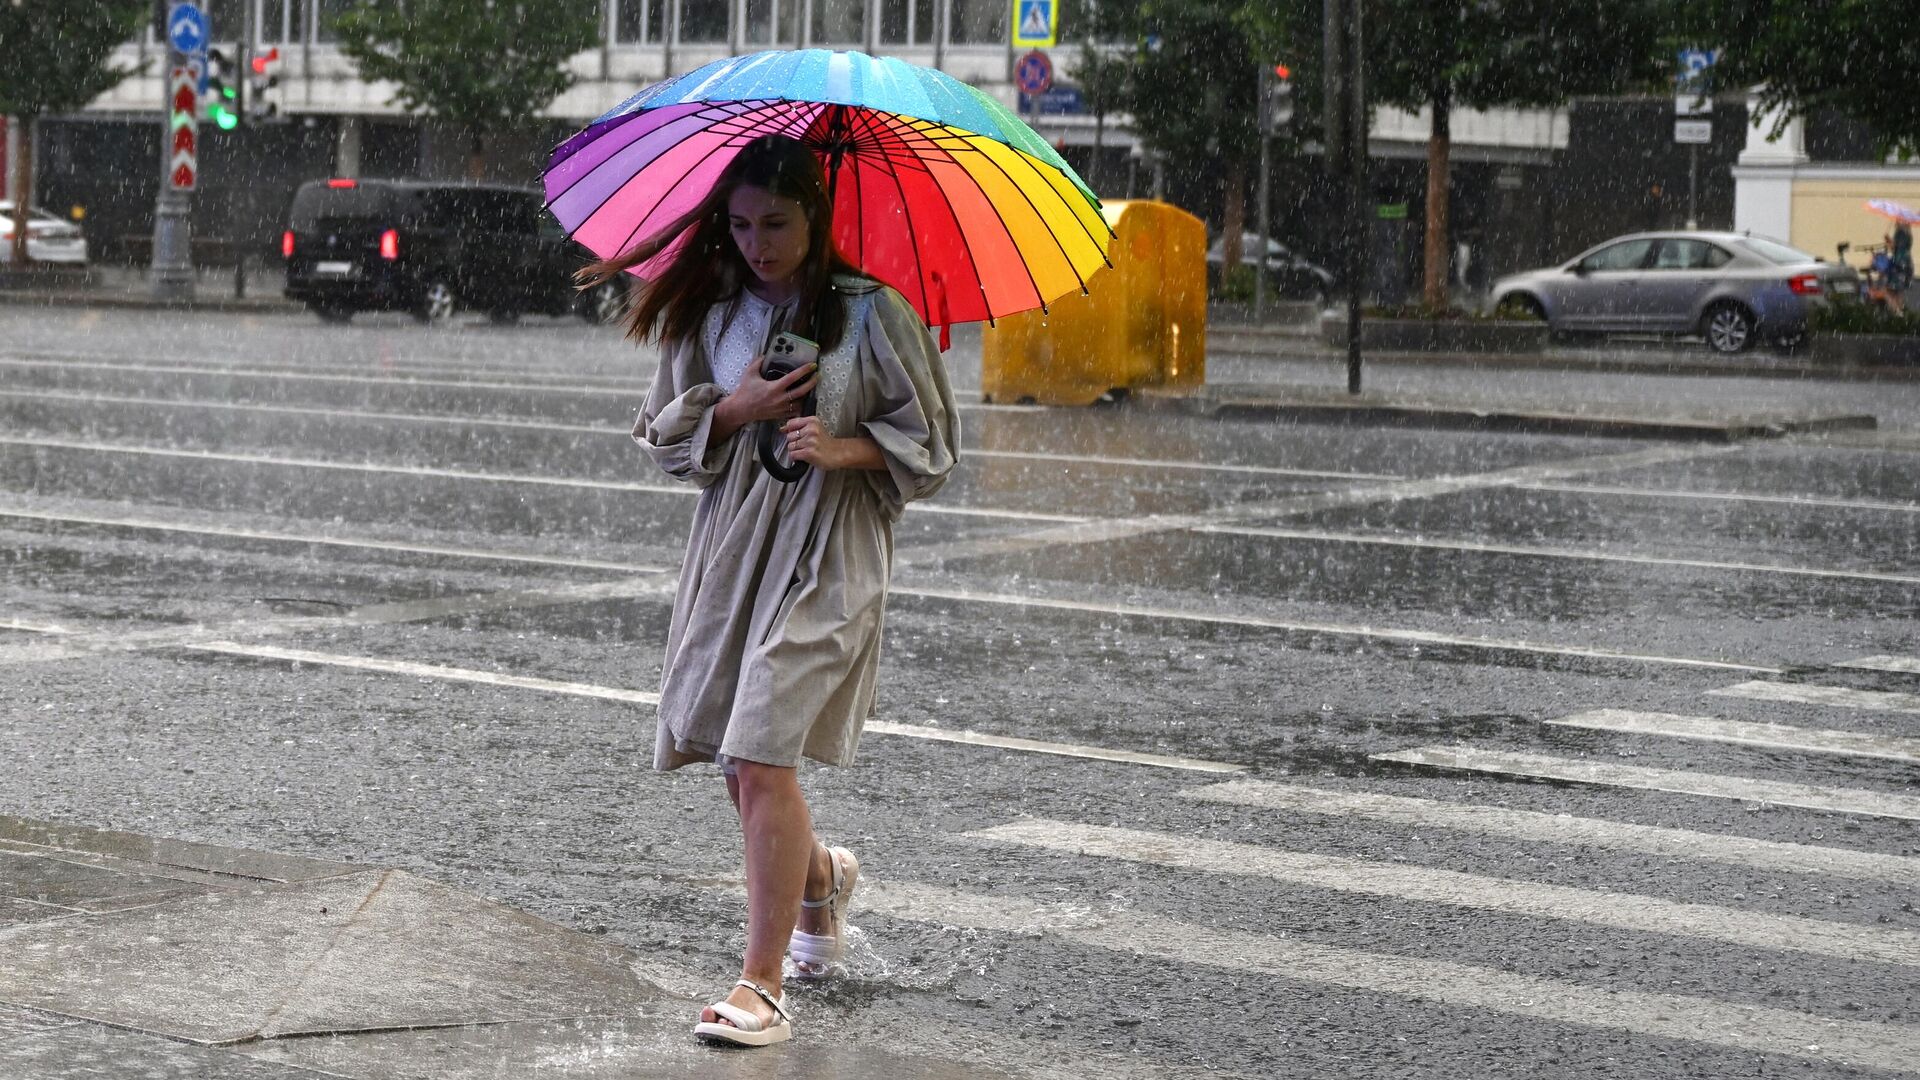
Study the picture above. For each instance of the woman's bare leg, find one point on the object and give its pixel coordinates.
(819, 871)
(780, 854)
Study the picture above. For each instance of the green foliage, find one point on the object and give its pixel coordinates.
(1237, 284)
(1192, 94)
(1858, 318)
(479, 64)
(1854, 56)
(57, 52)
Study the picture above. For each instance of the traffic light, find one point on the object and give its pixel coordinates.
(1276, 98)
(219, 98)
(263, 86)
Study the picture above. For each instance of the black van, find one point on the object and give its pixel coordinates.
(431, 249)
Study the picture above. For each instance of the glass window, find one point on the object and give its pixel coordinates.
(980, 22)
(1776, 252)
(1680, 255)
(839, 22)
(773, 22)
(329, 12)
(1625, 255)
(907, 22)
(636, 22)
(703, 21)
(1716, 257)
(282, 21)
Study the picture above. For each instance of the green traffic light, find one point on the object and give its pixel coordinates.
(227, 119)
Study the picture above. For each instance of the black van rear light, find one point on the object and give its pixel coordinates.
(286, 244)
(390, 244)
(343, 183)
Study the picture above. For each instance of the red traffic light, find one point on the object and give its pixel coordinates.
(1282, 72)
(261, 60)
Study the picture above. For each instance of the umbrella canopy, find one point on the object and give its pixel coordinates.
(1897, 211)
(938, 190)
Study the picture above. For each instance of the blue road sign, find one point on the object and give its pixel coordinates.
(187, 29)
(1034, 73)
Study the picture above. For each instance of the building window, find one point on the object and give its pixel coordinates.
(908, 22)
(283, 22)
(638, 22)
(839, 22)
(774, 22)
(980, 22)
(704, 21)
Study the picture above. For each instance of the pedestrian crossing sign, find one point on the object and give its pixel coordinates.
(1036, 24)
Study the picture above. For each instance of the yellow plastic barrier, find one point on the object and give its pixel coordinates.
(1141, 323)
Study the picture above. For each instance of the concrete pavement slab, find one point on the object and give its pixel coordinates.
(372, 950)
(71, 841)
(90, 1052)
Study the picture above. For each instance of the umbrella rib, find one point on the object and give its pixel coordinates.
(1058, 246)
(906, 207)
(1034, 166)
(616, 188)
(912, 124)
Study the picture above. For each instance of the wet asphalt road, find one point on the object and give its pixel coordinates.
(258, 572)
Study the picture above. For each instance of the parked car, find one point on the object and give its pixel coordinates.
(1731, 288)
(49, 238)
(432, 249)
(1290, 276)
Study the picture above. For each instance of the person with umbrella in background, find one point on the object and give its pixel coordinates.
(774, 646)
(779, 207)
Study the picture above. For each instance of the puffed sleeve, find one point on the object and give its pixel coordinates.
(909, 404)
(675, 426)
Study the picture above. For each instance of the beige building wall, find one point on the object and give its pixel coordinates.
(1829, 210)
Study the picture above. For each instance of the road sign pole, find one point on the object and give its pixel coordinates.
(241, 224)
(1693, 185)
(170, 274)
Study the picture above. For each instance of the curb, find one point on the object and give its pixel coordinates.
(227, 304)
(1230, 406)
(1659, 365)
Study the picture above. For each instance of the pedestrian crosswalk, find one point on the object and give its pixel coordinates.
(1275, 871)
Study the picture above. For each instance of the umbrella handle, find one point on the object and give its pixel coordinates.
(783, 471)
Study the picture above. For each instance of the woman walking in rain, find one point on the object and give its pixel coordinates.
(774, 646)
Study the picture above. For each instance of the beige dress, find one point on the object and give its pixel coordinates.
(774, 648)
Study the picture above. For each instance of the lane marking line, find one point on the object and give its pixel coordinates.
(1535, 826)
(685, 490)
(623, 433)
(1907, 665)
(1836, 696)
(1038, 746)
(1739, 1027)
(1778, 792)
(908, 589)
(1547, 552)
(1771, 736)
(1509, 896)
(426, 671)
(1422, 637)
(1809, 501)
(397, 380)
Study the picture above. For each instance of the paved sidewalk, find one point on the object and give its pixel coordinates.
(129, 956)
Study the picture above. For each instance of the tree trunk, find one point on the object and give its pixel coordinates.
(1439, 250)
(23, 187)
(1234, 219)
(1099, 147)
(476, 155)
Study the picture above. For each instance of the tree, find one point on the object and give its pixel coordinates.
(1190, 80)
(480, 65)
(1853, 56)
(1484, 54)
(1102, 77)
(57, 55)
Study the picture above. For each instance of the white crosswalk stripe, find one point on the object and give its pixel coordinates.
(1774, 736)
(1814, 694)
(1908, 665)
(1638, 913)
(1753, 1029)
(1783, 793)
(1532, 825)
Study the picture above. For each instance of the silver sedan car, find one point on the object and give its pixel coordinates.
(1731, 288)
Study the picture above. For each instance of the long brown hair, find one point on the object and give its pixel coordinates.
(709, 267)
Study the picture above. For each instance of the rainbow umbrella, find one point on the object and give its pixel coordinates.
(1887, 208)
(938, 190)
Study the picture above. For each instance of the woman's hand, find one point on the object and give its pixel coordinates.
(808, 441)
(757, 398)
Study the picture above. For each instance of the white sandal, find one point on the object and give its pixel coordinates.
(815, 954)
(747, 1029)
